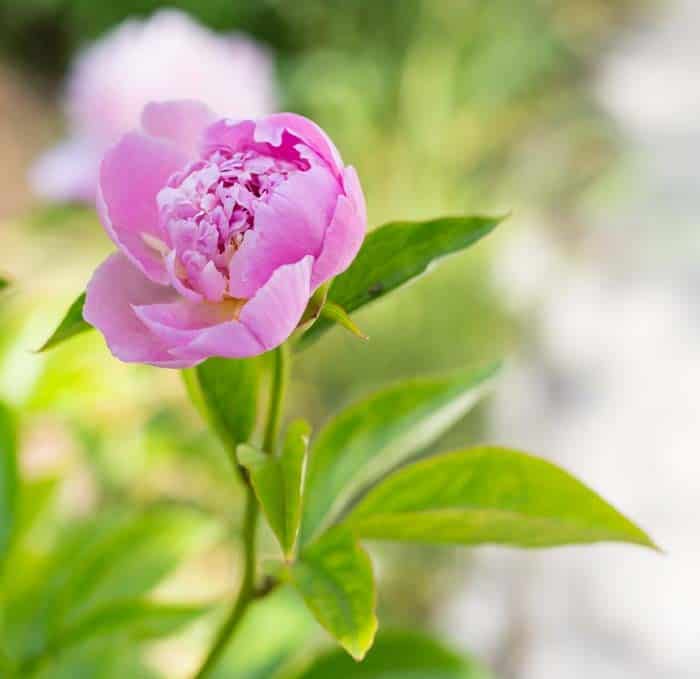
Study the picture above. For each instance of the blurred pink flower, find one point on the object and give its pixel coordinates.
(225, 229)
(166, 57)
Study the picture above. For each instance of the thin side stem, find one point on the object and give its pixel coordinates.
(247, 591)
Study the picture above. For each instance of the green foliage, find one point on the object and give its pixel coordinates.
(397, 655)
(489, 495)
(278, 480)
(370, 437)
(9, 482)
(71, 325)
(96, 583)
(394, 254)
(271, 635)
(334, 576)
(226, 393)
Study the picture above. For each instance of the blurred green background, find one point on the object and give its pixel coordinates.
(444, 107)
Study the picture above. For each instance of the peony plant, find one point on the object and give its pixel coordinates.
(241, 242)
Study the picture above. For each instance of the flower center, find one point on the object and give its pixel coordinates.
(206, 211)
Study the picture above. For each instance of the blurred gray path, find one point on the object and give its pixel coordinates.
(613, 393)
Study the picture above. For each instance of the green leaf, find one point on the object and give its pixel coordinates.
(337, 314)
(278, 482)
(138, 619)
(71, 325)
(396, 253)
(334, 577)
(5, 282)
(371, 437)
(288, 628)
(225, 391)
(397, 655)
(489, 495)
(9, 480)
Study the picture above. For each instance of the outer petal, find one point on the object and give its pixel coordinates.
(115, 286)
(180, 122)
(292, 225)
(345, 233)
(270, 129)
(131, 175)
(178, 323)
(265, 322)
(233, 135)
(67, 172)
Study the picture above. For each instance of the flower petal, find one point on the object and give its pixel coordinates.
(271, 128)
(181, 122)
(232, 135)
(131, 175)
(276, 309)
(345, 233)
(115, 287)
(287, 228)
(265, 322)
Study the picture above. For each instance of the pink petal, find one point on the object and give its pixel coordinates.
(265, 322)
(131, 175)
(178, 323)
(345, 233)
(115, 286)
(277, 308)
(180, 122)
(270, 129)
(290, 226)
(229, 134)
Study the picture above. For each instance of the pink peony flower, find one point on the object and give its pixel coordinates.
(225, 229)
(167, 57)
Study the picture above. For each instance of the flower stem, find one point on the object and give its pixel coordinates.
(280, 374)
(247, 593)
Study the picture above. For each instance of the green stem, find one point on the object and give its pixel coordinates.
(248, 593)
(277, 390)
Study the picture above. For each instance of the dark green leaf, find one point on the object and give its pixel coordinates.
(489, 495)
(278, 482)
(396, 253)
(226, 393)
(371, 437)
(9, 481)
(5, 282)
(334, 576)
(397, 655)
(71, 325)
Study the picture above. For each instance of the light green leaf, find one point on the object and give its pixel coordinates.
(9, 481)
(225, 391)
(371, 437)
(137, 619)
(278, 482)
(71, 325)
(396, 253)
(397, 655)
(337, 314)
(334, 577)
(288, 629)
(489, 495)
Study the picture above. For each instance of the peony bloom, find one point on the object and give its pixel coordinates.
(168, 56)
(225, 229)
